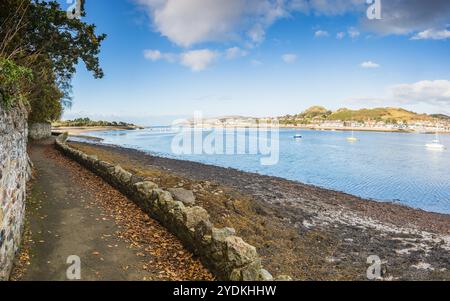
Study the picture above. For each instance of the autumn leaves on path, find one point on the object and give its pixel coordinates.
(72, 212)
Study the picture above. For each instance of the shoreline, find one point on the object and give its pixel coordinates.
(76, 131)
(338, 129)
(263, 207)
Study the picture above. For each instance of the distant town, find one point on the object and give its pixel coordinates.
(319, 118)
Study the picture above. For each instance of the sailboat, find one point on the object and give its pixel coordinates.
(352, 138)
(436, 144)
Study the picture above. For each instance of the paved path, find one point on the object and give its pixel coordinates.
(73, 212)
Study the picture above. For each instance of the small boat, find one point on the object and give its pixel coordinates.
(436, 144)
(352, 138)
(297, 137)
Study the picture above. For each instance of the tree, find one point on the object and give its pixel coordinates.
(39, 36)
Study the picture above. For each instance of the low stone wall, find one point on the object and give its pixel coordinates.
(225, 254)
(14, 173)
(38, 131)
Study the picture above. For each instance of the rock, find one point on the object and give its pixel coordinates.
(105, 166)
(240, 253)
(122, 175)
(203, 232)
(252, 271)
(219, 235)
(192, 216)
(176, 210)
(235, 275)
(187, 197)
(283, 278)
(264, 275)
(146, 188)
(164, 199)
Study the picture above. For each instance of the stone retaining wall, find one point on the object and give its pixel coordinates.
(225, 254)
(14, 173)
(38, 131)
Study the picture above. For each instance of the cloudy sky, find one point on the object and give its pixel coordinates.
(265, 57)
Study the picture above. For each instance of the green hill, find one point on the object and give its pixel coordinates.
(388, 115)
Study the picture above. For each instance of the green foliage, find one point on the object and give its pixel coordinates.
(13, 78)
(86, 122)
(314, 112)
(39, 36)
(387, 115)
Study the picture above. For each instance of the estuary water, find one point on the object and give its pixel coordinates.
(395, 167)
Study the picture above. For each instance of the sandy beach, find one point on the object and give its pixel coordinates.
(300, 230)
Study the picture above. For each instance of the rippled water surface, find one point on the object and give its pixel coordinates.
(382, 166)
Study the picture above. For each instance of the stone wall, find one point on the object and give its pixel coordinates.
(38, 131)
(225, 254)
(14, 173)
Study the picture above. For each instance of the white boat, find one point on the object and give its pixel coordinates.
(297, 137)
(352, 138)
(436, 144)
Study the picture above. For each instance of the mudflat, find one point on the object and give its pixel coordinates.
(307, 232)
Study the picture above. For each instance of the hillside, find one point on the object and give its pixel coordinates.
(388, 115)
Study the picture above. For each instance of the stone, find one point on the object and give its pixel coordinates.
(185, 196)
(39, 131)
(15, 167)
(283, 278)
(203, 228)
(176, 211)
(192, 216)
(145, 188)
(105, 166)
(122, 175)
(264, 275)
(239, 252)
(252, 271)
(219, 235)
(235, 275)
(164, 199)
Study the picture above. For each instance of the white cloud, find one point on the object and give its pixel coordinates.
(289, 58)
(369, 65)
(432, 34)
(321, 34)
(409, 16)
(435, 92)
(153, 55)
(156, 55)
(190, 22)
(235, 52)
(198, 60)
(340, 35)
(353, 32)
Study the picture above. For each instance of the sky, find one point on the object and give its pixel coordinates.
(166, 59)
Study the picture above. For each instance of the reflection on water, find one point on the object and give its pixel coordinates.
(383, 166)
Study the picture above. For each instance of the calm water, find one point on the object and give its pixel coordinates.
(382, 166)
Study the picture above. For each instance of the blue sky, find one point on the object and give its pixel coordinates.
(164, 59)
